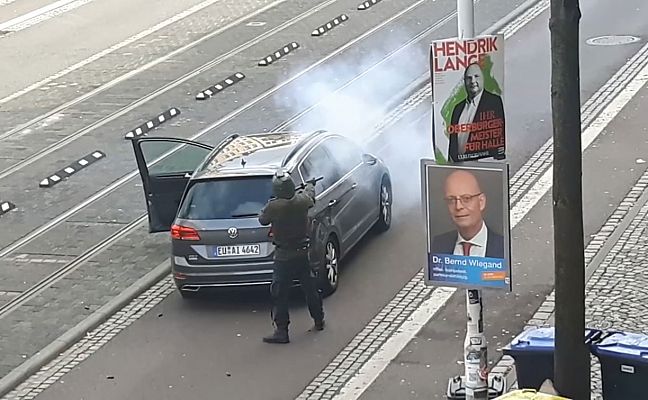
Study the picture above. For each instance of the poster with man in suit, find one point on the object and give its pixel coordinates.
(467, 86)
(467, 215)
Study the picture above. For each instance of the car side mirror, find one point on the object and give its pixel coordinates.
(369, 159)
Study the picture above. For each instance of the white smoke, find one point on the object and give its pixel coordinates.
(357, 107)
(361, 105)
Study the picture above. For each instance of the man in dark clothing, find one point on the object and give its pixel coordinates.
(287, 211)
(480, 106)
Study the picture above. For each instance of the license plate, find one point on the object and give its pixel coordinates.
(238, 250)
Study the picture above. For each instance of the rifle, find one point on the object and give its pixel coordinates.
(313, 181)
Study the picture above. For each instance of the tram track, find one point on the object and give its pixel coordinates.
(147, 98)
(523, 175)
(67, 268)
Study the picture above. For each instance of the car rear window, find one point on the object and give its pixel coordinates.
(226, 198)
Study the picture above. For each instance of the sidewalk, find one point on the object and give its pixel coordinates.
(617, 285)
(615, 207)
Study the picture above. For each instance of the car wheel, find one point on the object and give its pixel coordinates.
(329, 269)
(385, 204)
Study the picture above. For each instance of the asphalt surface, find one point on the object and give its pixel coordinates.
(68, 223)
(214, 343)
(57, 39)
(422, 368)
(610, 169)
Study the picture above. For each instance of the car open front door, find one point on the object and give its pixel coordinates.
(165, 165)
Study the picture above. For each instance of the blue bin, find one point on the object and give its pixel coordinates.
(624, 365)
(533, 351)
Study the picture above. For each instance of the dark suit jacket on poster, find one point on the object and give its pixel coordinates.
(488, 102)
(445, 244)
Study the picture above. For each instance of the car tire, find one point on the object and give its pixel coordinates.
(385, 205)
(328, 273)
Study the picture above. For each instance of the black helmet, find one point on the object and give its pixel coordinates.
(282, 185)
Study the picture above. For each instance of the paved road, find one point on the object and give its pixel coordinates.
(198, 346)
(614, 257)
(420, 369)
(26, 46)
(62, 230)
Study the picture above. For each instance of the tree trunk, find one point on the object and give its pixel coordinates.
(572, 360)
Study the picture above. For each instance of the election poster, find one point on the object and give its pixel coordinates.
(466, 210)
(468, 91)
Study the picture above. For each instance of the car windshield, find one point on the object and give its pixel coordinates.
(226, 198)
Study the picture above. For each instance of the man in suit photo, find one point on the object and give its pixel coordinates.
(466, 204)
(479, 106)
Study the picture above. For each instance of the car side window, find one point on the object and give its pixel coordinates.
(184, 160)
(320, 164)
(344, 152)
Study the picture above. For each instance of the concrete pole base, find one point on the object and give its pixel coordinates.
(457, 387)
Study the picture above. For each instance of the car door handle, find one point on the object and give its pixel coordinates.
(332, 203)
(355, 185)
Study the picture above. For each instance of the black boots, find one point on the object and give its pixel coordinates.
(319, 325)
(280, 335)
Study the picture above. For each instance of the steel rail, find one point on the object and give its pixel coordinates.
(105, 243)
(145, 99)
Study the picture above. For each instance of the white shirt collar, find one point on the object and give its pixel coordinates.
(475, 101)
(479, 239)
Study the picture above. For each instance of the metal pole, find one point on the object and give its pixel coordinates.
(475, 348)
(466, 19)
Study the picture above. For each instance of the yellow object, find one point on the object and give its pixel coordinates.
(528, 394)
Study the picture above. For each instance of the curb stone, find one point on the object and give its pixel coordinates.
(322, 29)
(367, 4)
(278, 54)
(59, 345)
(71, 169)
(50, 352)
(220, 86)
(601, 246)
(153, 123)
(6, 206)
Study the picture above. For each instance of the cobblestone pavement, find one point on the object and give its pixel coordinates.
(406, 367)
(127, 56)
(70, 300)
(60, 307)
(325, 385)
(93, 341)
(107, 269)
(618, 285)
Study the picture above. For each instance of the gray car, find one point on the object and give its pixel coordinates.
(209, 199)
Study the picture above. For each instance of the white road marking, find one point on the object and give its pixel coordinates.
(357, 385)
(42, 14)
(542, 186)
(393, 346)
(108, 189)
(135, 38)
(416, 321)
(6, 2)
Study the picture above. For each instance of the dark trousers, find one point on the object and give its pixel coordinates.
(285, 271)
